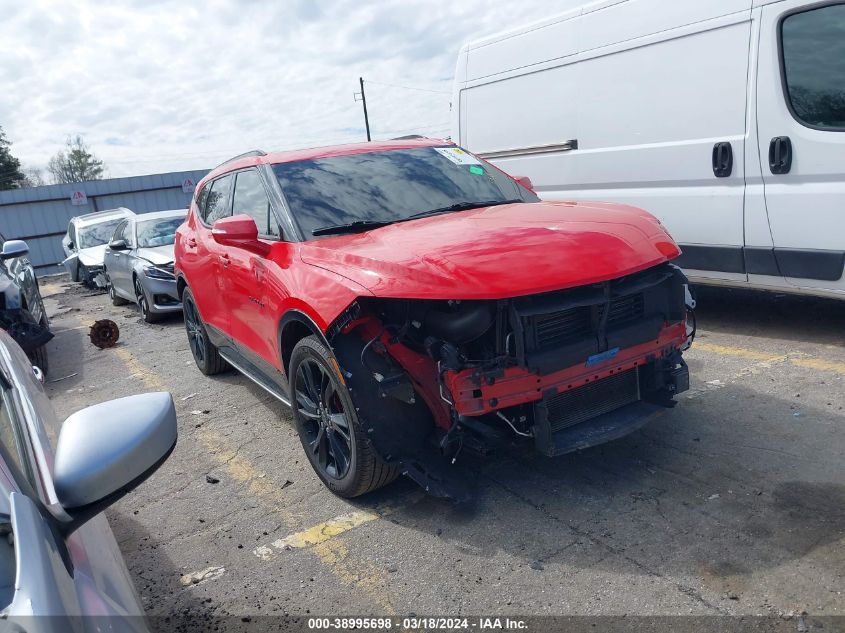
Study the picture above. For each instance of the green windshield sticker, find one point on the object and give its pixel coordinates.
(475, 169)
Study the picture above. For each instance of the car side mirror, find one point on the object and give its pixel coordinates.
(238, 229)
(525, 181)
(14, 248)
(106, 450)
(118, 245)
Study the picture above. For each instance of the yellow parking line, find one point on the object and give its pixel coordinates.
(806, 362)
(724, 350)
(332, 528)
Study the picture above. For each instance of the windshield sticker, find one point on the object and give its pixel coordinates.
(475, 169)
(457, 155)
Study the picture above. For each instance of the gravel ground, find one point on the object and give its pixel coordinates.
(733, 503)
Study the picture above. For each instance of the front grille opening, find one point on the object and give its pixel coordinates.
(576, 324)
(592, 399)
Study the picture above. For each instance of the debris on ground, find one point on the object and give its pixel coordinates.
(713, 496)
(188, 397)
(287, 483)
(64, 377)
(104, 333)
(212, 479)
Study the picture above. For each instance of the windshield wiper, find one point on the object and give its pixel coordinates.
(460, 206)
(351, 227)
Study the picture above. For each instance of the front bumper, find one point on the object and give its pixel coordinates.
(162, 296)
(474, 393)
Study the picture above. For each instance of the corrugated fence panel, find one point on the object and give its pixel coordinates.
(40, 215)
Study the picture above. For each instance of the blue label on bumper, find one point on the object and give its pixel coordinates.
(595, 359)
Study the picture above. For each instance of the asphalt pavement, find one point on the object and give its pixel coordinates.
(732, 503)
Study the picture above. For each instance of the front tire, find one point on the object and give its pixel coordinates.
(144, 303)
(208, 359)
(337, 447)
(38, 357)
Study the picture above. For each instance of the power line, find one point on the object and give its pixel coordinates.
(382, 83)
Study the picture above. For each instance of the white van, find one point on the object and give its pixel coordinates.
(724, 118)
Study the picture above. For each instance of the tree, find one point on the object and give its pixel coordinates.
(76, 163)
(32, 177)
(11, 176)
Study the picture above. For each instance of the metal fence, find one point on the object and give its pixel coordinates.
(40, 215)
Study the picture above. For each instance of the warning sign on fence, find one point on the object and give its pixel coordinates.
(188, 185)
(78, 198)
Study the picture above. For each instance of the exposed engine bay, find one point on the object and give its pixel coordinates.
(567, 369)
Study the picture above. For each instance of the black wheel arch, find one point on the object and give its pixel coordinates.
(294, 326)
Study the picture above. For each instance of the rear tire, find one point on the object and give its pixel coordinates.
(208, 359)
(115, 299)
(337, 447)
(38, 357)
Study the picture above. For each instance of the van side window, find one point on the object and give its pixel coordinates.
(813, 45)
(217, 206)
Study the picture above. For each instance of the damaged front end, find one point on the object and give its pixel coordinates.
(565, 370)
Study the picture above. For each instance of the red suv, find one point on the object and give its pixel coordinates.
(410, 300)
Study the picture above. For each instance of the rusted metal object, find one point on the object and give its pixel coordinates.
(104, 333)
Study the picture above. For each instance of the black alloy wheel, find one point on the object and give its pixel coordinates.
(328, 425)
(205, 354)
(325, 422)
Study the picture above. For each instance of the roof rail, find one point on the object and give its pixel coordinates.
(255, 152)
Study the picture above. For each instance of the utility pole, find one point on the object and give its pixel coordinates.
(364, 102)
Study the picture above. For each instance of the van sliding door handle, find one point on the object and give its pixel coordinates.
(780, 155)
(723, 160)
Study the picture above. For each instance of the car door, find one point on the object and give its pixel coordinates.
(801, 123)
(205, 278)
(245, 274)
(115, 261)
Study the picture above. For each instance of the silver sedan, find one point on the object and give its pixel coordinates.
(139, 263)
(58, 556)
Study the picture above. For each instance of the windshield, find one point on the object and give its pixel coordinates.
(97, 234)
(161, 232)
(390, 186)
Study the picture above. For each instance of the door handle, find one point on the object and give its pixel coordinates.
(723, 159)
(780, 155)
(224, 259)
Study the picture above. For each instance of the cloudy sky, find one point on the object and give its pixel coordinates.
(155, 85)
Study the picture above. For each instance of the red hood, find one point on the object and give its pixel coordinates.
(498, 252)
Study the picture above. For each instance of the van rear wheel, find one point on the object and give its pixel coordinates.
(339, 450)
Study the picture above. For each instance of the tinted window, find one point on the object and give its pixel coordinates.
(814, 65)
(389, 186)
(160, 232)
(251, 199)
(97, 234)
(217, 205)
(201, 200)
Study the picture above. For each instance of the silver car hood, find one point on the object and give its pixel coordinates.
(93, 255)
(158, 255)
